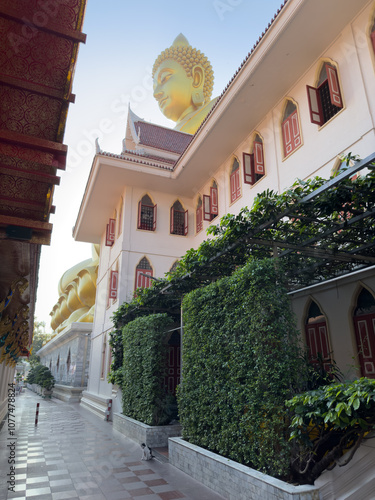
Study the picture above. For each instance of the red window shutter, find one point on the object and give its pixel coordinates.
(113, 285)
(110, 232)
(154, 222)
(199, 221)
(295, 130)
(214, 207)
(238, 185)
(287, 136)
(291, 133)
(248, 163)
(142, 281)
(258, 158)
(139, 224)
(108, 242)
(206, 207)
(171, 230)
(315, 105)
(233, 187)
(334, 87)
(186, 226)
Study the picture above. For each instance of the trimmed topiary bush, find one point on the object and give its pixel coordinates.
(240, 362)
(145, 348)
(41, 375)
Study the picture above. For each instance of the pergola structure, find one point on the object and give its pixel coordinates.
(39, 43)
(318, 230)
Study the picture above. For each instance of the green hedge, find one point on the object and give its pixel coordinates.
(41, 375)
(240, 362)
(145, 347)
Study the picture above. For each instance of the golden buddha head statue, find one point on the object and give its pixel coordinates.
(183, 81)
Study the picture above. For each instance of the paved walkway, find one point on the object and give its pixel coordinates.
(72, 454)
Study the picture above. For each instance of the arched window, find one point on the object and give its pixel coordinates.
(179, 219)
(290, 128)
(58, 363)
(173, 267)
(199, 216)
(142, 271)
(211, 203)
(146, 214)
(325, 100)
(113, 284)
(364, 325)
(235, 186)
(253, 163)
(317, 337)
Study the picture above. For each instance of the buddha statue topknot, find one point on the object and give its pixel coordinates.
(183, 81)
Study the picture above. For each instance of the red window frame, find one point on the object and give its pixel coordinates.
(365, 338)
(253, 164)
(258, 158)
(318, 343)
(172, 229)
(235, 186)
(142, 281)
(214, 201)
(206, 208)
(248, 168)
(140, 224)
(113, 285)
(313, 95)
(291, 133)
(110, 232)
(199, 219)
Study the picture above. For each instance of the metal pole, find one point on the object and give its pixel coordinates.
(36, 414)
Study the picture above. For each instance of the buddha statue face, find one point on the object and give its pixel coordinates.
(174, 89)
(183, 81)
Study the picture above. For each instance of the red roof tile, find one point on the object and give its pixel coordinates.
(161, 137)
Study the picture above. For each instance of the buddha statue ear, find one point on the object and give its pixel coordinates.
(197, 72)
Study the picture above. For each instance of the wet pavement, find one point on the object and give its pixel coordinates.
(73, 454)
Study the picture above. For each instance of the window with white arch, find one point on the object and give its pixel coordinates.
(179, 219)
(143, 274)
(325, 100)
(146, 214)
(253, 163)
(291, 131)
(317, 340)
(235, 185)
(211, 203)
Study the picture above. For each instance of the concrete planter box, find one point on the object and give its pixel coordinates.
(153, 436)
(232, 480)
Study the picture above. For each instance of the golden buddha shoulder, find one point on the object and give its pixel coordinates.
(183, 81)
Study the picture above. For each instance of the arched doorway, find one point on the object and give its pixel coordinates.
(364, 325)
(317, 337)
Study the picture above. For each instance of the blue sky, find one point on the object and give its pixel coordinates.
(123, 40)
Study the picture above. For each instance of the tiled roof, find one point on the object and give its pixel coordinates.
(159, 137)
(143, 159)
